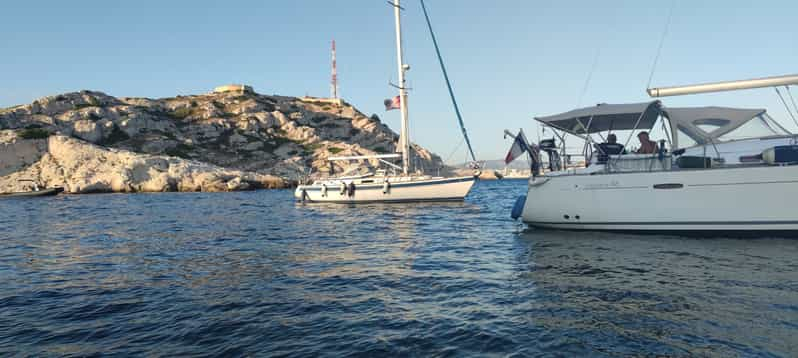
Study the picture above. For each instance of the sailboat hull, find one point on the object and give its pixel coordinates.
(759, 199)
(432, 189)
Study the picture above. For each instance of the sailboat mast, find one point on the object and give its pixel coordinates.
(404, 137)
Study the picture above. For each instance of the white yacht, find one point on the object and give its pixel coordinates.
(396, 183)
(717, 169)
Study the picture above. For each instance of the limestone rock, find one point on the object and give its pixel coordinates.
(236, 184)
(87, 130)
(81, 167)
(270, 134)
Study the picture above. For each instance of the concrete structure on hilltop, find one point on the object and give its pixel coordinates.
(234, 88)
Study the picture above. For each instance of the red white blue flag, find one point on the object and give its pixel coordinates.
(520, 146)
(392, 103)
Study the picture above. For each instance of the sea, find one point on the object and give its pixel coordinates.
(257, 274)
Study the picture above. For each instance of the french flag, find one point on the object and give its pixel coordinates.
(520, 145)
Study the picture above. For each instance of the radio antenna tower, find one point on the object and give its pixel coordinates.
(334, 83)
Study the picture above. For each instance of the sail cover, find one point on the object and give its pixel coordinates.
(604, 117)
(696, 120)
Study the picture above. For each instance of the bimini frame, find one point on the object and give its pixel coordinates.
(584, 122)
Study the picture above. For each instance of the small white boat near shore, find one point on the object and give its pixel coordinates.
(34, 192)
(719, 169)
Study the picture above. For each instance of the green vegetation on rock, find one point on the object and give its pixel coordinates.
(181, 151)
(34, 133)
(310, 148)
(180, 113)
(117, 135)
(91, 102)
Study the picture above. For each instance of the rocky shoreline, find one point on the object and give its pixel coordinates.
(88, 142)
(80, 168)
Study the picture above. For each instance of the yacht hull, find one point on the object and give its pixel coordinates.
(740, 200)
(433, 189)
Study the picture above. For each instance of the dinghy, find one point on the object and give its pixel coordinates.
(33, 193)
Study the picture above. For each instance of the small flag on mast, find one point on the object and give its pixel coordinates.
(520, 145)
(392, 103)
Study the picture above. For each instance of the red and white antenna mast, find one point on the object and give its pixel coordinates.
(334, 83)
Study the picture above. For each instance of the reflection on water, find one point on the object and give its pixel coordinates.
(256, 273)
(671, 295)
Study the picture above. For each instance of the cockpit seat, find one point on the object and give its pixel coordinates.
(605, 150)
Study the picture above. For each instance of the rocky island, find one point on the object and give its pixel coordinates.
(230, 139)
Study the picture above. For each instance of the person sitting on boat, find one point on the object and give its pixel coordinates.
(647, 146)
(610, 147)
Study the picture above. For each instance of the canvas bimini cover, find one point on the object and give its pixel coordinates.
(720, 120)
(604, 117)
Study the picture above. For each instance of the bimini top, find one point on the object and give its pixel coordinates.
(705, 124)
(604, 117)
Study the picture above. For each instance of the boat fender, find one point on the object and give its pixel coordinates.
(351, 189)
(343, 188)
(518, 207)
(304, 195)
(386, 187)
(533, 182)
(324, 190)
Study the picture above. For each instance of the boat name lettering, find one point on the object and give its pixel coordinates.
(611, 184)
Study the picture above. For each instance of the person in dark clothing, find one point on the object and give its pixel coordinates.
(351, 191)
(611, 147)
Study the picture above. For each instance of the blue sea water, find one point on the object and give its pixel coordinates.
(255, 274)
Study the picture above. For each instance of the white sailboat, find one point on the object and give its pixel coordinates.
(396, 184)
(718, 169)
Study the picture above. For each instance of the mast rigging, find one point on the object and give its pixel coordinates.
(448, 84)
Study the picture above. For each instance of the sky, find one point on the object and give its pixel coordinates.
(508, 60)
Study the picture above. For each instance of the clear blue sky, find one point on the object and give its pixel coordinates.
(508, 60)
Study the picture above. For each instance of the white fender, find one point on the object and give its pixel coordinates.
(343, 188)
(386, 187)
(537, 181)
(324, 190)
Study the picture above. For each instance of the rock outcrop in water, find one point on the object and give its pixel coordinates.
(91, 142)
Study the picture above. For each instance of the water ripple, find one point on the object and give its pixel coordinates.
(257, 274)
